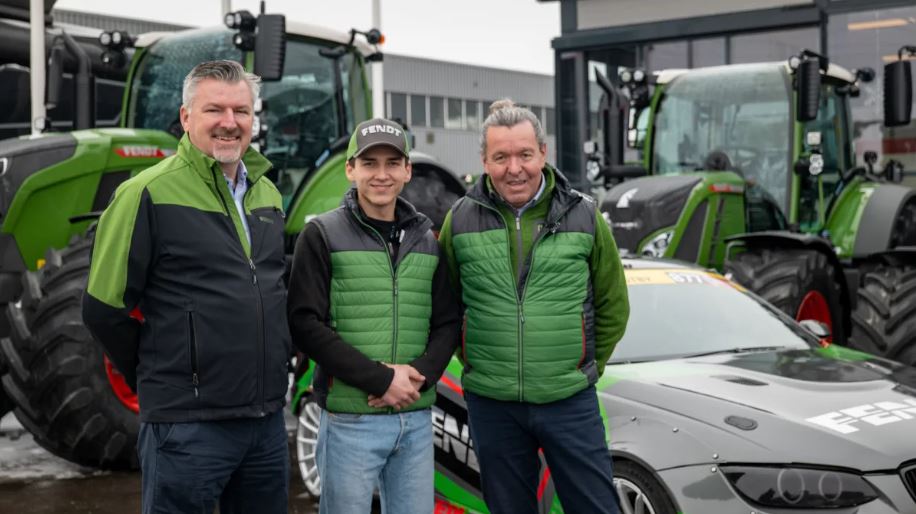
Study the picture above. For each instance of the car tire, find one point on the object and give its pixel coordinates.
(56, 373)
(307, 444)
(884, 320)
(639, 491)
(788, 279)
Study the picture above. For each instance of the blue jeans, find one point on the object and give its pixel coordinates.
(508, 435)
(356, 452)
(241, 463)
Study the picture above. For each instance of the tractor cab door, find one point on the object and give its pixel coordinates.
(830, 136)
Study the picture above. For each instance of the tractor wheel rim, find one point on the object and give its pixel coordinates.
(120, 388)
(306, 444)
(632, 498)
(814, 306)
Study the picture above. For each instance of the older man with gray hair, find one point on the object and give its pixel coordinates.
(196, 244)
(545, 302)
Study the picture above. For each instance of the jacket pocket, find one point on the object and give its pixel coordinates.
(193, 355)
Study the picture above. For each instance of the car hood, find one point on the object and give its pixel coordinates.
(828, 406)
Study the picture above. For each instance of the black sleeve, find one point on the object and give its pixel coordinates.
(444, 328)
(308, 308)
(110, 324)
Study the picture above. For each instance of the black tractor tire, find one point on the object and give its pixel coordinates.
(432, 193)
(784, 276)
(6, 404)
(884, 321)
(56, 376)
(639, 490)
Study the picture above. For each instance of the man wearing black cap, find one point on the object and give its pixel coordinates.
(370, 303)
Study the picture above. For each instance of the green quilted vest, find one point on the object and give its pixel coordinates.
(380, 307)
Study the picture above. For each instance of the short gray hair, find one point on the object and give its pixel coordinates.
(504, 113)
(223, 71)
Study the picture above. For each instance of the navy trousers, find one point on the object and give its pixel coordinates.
(508, 435)
(188, 467)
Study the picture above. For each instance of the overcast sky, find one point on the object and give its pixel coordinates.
(510, 34)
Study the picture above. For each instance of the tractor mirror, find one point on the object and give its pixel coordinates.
(898, 93)
(270, 46)
(808, 90)
(55, 76)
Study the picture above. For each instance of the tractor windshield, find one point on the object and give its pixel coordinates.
(311, 108)
(734, 118)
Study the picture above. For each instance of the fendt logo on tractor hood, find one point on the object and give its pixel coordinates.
(870, 414)
(143, 151)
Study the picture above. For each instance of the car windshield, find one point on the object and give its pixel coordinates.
(733, 118)
(677, 313)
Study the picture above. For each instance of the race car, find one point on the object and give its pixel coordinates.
(716, 402)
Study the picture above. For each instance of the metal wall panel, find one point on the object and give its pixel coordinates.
(615, 13)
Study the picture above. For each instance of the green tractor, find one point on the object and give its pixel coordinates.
(751, 171)
(53, 187)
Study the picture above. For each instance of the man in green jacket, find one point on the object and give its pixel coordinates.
(545, 303)
(196, 243)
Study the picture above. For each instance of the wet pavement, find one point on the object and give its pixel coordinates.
(32, 481)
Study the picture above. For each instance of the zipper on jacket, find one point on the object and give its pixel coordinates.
(192, 350)
(394, 291)
(262, 356)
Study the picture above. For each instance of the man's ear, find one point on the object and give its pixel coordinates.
(348, 167)
(409, 169)
(184, 114)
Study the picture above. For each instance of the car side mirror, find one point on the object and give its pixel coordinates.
(816, 328)
(270, 46)
(898, 93)
(808, 90)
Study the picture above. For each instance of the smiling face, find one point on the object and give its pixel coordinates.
(219, 119)
(380, 174)
(514, 161)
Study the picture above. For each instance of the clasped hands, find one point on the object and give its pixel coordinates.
(403, 390)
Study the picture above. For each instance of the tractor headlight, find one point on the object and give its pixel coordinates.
(799, 488)
(657, 246)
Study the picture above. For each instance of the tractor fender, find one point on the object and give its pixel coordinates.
(874, 233)
(845, 275)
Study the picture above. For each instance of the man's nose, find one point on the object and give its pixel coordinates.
(514, 165)
(227, 119)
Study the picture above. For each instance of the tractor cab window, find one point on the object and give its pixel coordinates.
(828, 135)
(307, 112)
(727, 119)
(155, 92)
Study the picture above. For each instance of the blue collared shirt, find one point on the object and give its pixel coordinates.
(238, 194)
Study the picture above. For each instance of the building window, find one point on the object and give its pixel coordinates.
(663, 56)
(773, 46)
(418, 110)
(550, 118)
(471, 117)
(453, 119)
(436, 112)
(397, 107)
(707, 52)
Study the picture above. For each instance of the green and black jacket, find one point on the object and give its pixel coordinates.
(354, 304)
(214, 343)
(544, 292)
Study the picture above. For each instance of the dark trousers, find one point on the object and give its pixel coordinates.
(188, 467)
(507, 436)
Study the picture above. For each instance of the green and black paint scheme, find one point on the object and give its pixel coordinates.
(53, 186)
(750, 169)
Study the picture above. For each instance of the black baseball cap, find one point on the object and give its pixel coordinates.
(375, 132)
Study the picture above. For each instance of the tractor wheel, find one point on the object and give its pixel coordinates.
(5, 404)
(639, 491)
(884, 321)
(65, 395)
(432, 193)
(800, 283)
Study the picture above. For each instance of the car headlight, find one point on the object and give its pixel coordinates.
(799, 488)
(657, 245)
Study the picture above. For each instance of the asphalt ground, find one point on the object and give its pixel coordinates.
(33, 481)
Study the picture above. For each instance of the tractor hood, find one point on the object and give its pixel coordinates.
(639, 207)
(791, 406)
